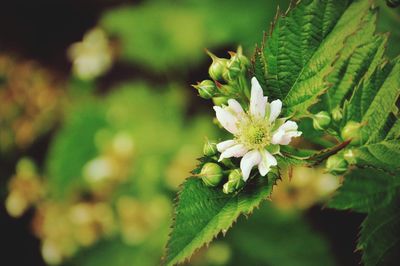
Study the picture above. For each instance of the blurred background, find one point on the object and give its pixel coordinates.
(99, 126)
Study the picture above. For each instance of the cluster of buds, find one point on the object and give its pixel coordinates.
(215, 173)
(32, 99)
(65, 228)
(227, 78)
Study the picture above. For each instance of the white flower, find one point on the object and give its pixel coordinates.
(255, 131)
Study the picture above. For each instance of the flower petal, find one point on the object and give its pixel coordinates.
(267, 161)
(227, 119)
(235, 151)
(235, 107)
(276, 108)
(257, 100)
(222, 146)
(289, 126)
(287, 137)
(248, 161)
(285, 133)
(277, 136)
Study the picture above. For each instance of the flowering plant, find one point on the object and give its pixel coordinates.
(329, 73)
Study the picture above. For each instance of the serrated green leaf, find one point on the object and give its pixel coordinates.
(295, 38)
(380, 236)
(259, 67)
(366, 190)
(382, 105)
(365, 93)
(203, 212)
(358, 58)
(374, 101)
(384, 154)
(303, 46)
(394, 132)
(360, 64)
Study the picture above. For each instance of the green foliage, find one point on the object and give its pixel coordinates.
(176, 35)
(279, 234)
(360, 54)
(130, 105)
(203, 212)
(73, 147)
(366, 190)
(377, 106)
(373, 104)
(384, 154)
(380, 236)
(318, 56)
(115, 252)
(303, 45)
(388, 22)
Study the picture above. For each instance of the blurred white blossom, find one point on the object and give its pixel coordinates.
(92, 56)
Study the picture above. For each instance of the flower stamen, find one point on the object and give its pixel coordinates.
(253, 133)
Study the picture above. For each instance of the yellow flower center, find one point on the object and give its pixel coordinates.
(253, 133)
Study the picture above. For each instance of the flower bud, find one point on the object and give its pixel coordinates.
(321, 120)
(350, 157)
(337, 114)
(207, 89)
(210, 148)
(220, 100)
(245, 62)
(336, 164)
(235, 182)
(217, 67)
(225, 89)
(211, 174)
(351, 131)
(233, 68)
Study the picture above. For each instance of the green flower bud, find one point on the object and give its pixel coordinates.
(351, 131)
(226, 89)
(211, 174)
(235, 182)
(337, 114)
(350, 157)
(336, 164)
(207, 89)
(233, 68)
(321, 120)
(217, 67)
(210, 148)
(245, 62)
(220, 100)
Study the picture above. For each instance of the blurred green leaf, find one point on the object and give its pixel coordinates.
(163, 34)
(73, 146)
(273, 237)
